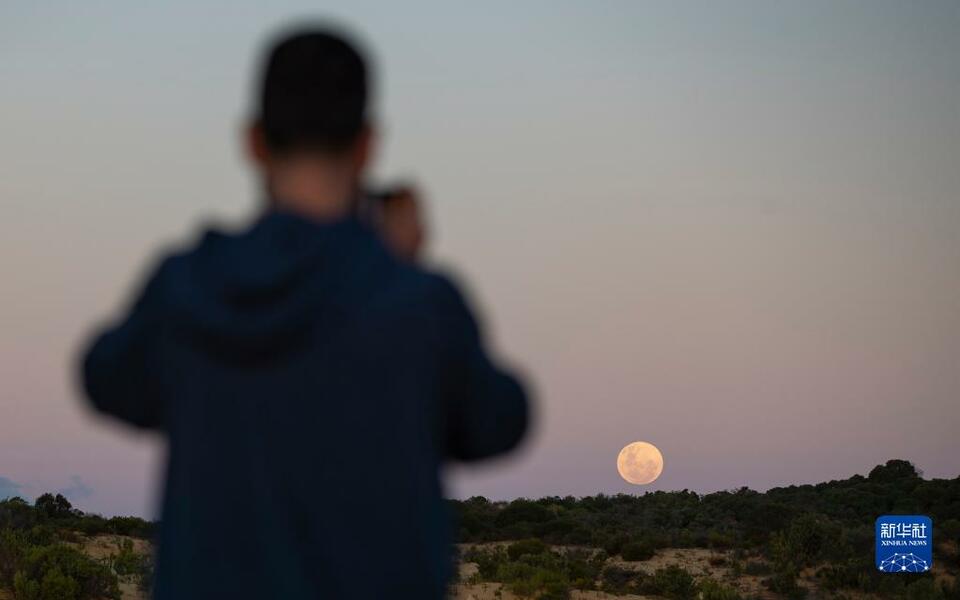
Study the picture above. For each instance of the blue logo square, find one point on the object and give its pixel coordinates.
(904, 544)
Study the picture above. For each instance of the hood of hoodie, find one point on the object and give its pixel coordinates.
(256, 294)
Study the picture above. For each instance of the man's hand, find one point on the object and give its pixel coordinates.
(401, 223)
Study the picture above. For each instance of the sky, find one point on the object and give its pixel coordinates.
(729, 229)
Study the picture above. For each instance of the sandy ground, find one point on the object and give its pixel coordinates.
(695, 560)
(100, 547)
(488, 591)
(130, 591)
(103, 546)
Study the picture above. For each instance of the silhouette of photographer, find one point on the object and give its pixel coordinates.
(309, 376)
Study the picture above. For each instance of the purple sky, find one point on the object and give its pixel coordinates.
(732, 229)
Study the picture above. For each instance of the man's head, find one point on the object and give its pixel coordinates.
(312, 105)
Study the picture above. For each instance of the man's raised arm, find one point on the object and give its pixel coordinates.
(120, 368)
(487, 409)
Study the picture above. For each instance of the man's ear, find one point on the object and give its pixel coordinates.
(256, 145)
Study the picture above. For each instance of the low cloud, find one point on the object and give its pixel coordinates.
(77, 490)
(9, 488)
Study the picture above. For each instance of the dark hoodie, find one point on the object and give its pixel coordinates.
(310, 386)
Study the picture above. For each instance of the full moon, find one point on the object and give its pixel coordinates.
(640, 463)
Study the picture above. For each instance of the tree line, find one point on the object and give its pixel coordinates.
(41, 557)
(776, 534)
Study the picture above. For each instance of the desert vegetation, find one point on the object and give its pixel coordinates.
(790, 542)
(813, 541)
(47, 551)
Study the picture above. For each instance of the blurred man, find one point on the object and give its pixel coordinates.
(310, 381)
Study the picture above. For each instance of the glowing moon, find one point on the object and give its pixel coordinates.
(640, 463)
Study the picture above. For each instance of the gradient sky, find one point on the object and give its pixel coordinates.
(730, 229)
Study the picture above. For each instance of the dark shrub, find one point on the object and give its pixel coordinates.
(531, 546)
(637, 550)
(618, 580)
(711, 589)
(673, 582)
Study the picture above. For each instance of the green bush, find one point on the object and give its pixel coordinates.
(951, 591)
(710, 589)
(924, 589)
(784, 582)
(488, 561)
(53, 586)
(637, 550)
(756, 567)
(853, 573)
(55, 572)
(673, 582)
(618, 580)
(57, 586)
(126, 561)
(529, 546)
(614, 544)
(736, 569)
(804, 541)
(555, 591)
(25, 588)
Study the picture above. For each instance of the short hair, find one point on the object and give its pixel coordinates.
(314, 92)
